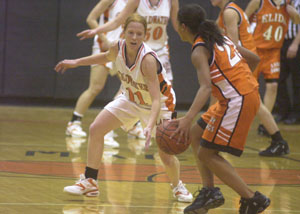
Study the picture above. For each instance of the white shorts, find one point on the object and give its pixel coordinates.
(164, 57)
(110, 65)
(130, 113)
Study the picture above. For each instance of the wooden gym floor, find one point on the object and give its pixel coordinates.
(37, 160)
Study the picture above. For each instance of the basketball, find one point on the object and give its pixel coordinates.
(165, 143)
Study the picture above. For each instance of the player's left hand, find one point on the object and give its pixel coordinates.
(148, 134)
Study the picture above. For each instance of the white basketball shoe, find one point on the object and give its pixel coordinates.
(181, 193)
(137, 131)
(74, 129)
(84, 186)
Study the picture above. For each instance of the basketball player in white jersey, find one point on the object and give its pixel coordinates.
(147, 95)
(105, 9)
(157, 13)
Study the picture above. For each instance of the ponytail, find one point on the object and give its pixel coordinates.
(194, 17)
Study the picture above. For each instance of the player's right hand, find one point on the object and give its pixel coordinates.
(87, 34)
(63, 65)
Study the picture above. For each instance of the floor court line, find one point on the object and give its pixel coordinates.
(109, 205)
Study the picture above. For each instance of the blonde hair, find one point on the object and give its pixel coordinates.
(135, 17)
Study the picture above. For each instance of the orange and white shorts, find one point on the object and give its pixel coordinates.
(269, 64)
(129, 113)
(226, 123)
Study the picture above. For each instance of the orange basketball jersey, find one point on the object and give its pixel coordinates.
(245, 35)
(271, 24)
(230, 73)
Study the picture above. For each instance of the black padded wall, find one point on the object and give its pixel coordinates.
(2, 42)
(36, 34)
(30, 48)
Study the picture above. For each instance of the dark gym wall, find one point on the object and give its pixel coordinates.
(2, 44)
(36, 34)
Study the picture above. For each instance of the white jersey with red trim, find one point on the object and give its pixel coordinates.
(157, 20)
(133, 84)
(110, 14)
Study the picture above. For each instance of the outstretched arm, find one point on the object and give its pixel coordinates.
(130, 7)
(100, 58)
(174, 11)
(149, 69)
(92, 20)
(96, 12)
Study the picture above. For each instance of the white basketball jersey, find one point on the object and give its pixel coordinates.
(157, 20)
(110, 14)
(133, 83)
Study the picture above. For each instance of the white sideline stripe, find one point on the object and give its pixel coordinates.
(109, 205)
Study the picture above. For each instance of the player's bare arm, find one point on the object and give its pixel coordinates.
(174, 11)
(101, 58)
(252, 7)
(97, 11)
(149, 69)
(231, 21)
(199, 59)
(295, 16)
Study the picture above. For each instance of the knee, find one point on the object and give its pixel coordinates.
(95, 89)
(95, 130)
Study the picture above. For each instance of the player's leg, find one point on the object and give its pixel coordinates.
(87, 185)
(278, 145)
(270, 95)
(172, 167)
(98, 78)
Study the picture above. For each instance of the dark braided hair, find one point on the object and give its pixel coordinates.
(194, 17)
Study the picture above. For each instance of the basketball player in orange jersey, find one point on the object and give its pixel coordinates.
(233, 20)
(147, 95)
(105, 9)
(270, 20)
(222, 71)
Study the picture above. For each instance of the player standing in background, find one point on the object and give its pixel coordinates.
(233, 20)
(157, 14)
(104, 11)
(222, 71)
(147, 95)
(270, 20)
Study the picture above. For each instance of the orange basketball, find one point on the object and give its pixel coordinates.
(165, 143)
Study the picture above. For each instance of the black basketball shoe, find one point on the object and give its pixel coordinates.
(277, 148)
(257, 204)
(206, 198)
